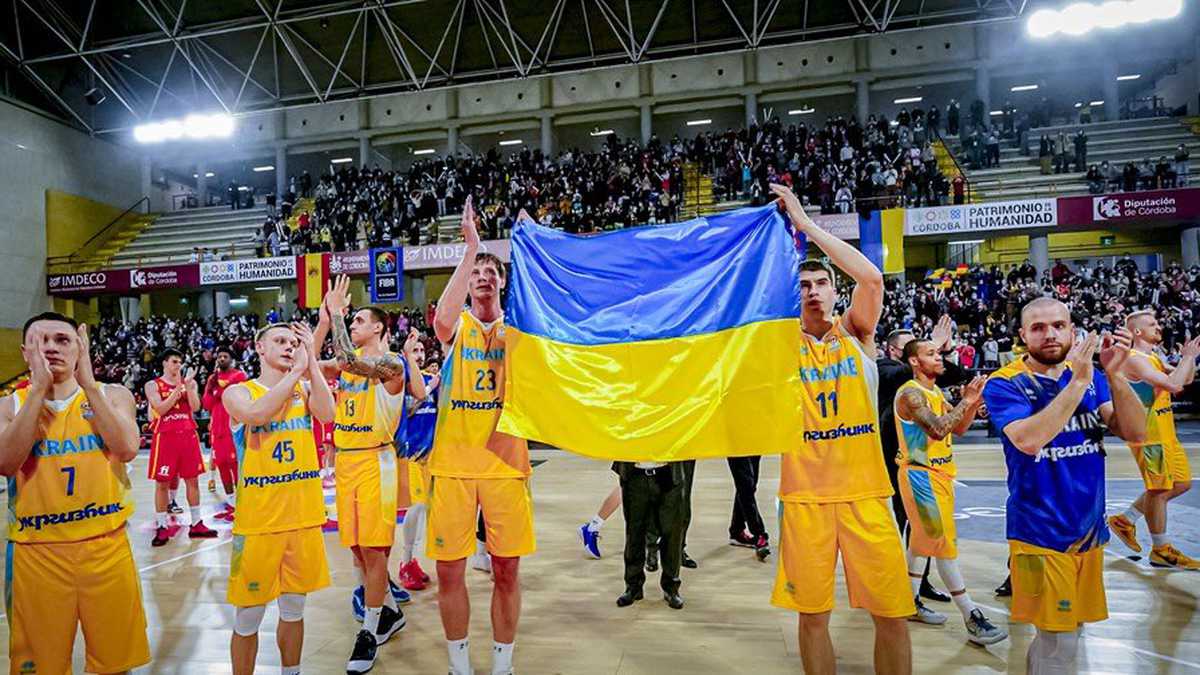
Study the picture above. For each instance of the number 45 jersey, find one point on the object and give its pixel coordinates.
(279, 480)
(465, 441)
(840, 458)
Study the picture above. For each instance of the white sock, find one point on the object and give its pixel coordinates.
(231, 499)
(412, 528)
(371, 619)
(160, 518)
(480, 548)
(595, 523)
(502, 658)
(916, 571)
(1159, 539)
(964, 604)
(460, 656)
(1132, 514)
(389, 601)
(195, 512)
(290, 670)
(951, 575)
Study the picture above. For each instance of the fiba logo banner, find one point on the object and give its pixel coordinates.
(387, 266)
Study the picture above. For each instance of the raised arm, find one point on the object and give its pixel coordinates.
(160, 405)
(385, 367)
(866, 302)
(192, 389)
(242, 408)
(1125, 416)
(455, 294)
(114, 413)
(329, 367)
(1032, 433)
(1140, 369)
(19, 430)
(911, 405)
(212, 393)
(320, 399)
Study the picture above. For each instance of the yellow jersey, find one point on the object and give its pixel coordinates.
(471, 398)
(367, 415)
(841, 458)
(916, 446)
(279, 479)
(1160, 420)
(68, 489)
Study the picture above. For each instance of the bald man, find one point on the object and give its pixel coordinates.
(1161, 458)
(1051, 409)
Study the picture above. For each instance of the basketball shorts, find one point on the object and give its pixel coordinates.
(864, 532)
(53, 589)
(418, 481)
(224, 455)
(1057, 591)
(264, 566)
(929, 503)
(366, 482)
(1162, 465)
(507, 514)
(175, 454)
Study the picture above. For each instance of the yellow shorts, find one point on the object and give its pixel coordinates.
(1057, 591)
(865, 533)
(366, 485)
(53, 588)
(418, 482)
(507, 515)
(264, 566)
(1162, 466)
(929, 502)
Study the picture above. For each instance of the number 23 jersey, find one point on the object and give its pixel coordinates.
(471, 398)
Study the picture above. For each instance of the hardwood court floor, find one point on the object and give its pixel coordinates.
(571, 625)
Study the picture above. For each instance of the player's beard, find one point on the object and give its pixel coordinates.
(1046, 359)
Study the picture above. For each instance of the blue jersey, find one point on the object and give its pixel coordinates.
(402, 427)
(1055, 498)
(420, 427)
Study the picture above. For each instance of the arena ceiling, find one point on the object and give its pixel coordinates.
(151, 59)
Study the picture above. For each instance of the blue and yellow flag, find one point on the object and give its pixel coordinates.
(656, 343)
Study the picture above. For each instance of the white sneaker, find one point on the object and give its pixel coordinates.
(926, 615)
(482, 562)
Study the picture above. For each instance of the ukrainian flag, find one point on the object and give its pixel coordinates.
(656, 343)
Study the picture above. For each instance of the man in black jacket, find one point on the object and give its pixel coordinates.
(894, 372)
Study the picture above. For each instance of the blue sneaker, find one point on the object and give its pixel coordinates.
(400, 595)
(591, 542)
(358, 605)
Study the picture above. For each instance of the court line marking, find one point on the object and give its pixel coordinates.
(1111, 642)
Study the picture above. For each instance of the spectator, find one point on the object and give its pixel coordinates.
(1182, 168)
(1080, 141)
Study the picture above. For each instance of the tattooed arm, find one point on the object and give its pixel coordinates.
(911, 405)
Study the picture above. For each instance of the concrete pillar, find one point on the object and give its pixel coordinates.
(147, 181)
(418, 292)
(1112, 93)
(1189, 245)
(983, 90)
(131, 309)
(452, 141)
(202, 184)
(281, 170)
(205, 307)
(221, 303)
(547, 135)
(862, 100)
(751, 108)
(364, 152)
(1039, 252)
(647, 123)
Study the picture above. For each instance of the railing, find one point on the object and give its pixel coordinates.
(967, 190)
(74, 255)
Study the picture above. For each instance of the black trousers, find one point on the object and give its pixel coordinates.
(653, 500)
(689, 475)
(745, 506)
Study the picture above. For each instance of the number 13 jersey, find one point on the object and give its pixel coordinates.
(840, 459)
(465, 441)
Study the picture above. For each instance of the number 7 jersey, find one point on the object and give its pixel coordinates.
(471, 398)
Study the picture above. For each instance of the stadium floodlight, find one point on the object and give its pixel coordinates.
(1123, 78)
(910, 99)
(802, 111)
(207, 174)
(1082, 17)
(1023, 87)
(194, 127)
(600, 132)
(1100, 102)
(512, 141)
(261, 169)
(424, 151)
(240, 302)
(698, 123)
(1078, 104)
(268, 288)
(341, 160)
(996, 113)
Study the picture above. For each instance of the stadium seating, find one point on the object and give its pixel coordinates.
(173, 236)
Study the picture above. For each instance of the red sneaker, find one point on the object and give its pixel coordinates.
(410, 578)
(417, 568)
(201, 531)
(161, 536)
(226, 515)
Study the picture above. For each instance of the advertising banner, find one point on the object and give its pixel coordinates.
(981, 217)
(1180, 204)
(387, 268)
(436, 256)
(352, 263)
(121, 281)
(841, 225)
(244, 271)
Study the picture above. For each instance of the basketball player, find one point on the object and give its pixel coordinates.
(224, 457)
(925, 425)
(1161, 459)
(64, 443)
(175, 451)
(834, 488)
(417, 444)
(370, 399)
(474, 466)
(1052, 408)
(278, 548)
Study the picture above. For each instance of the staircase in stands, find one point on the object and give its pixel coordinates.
(172, 236)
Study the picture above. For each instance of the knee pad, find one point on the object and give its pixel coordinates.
(291, 607)
(246, 620)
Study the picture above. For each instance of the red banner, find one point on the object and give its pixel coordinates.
(137, 279)
(1127, 207)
